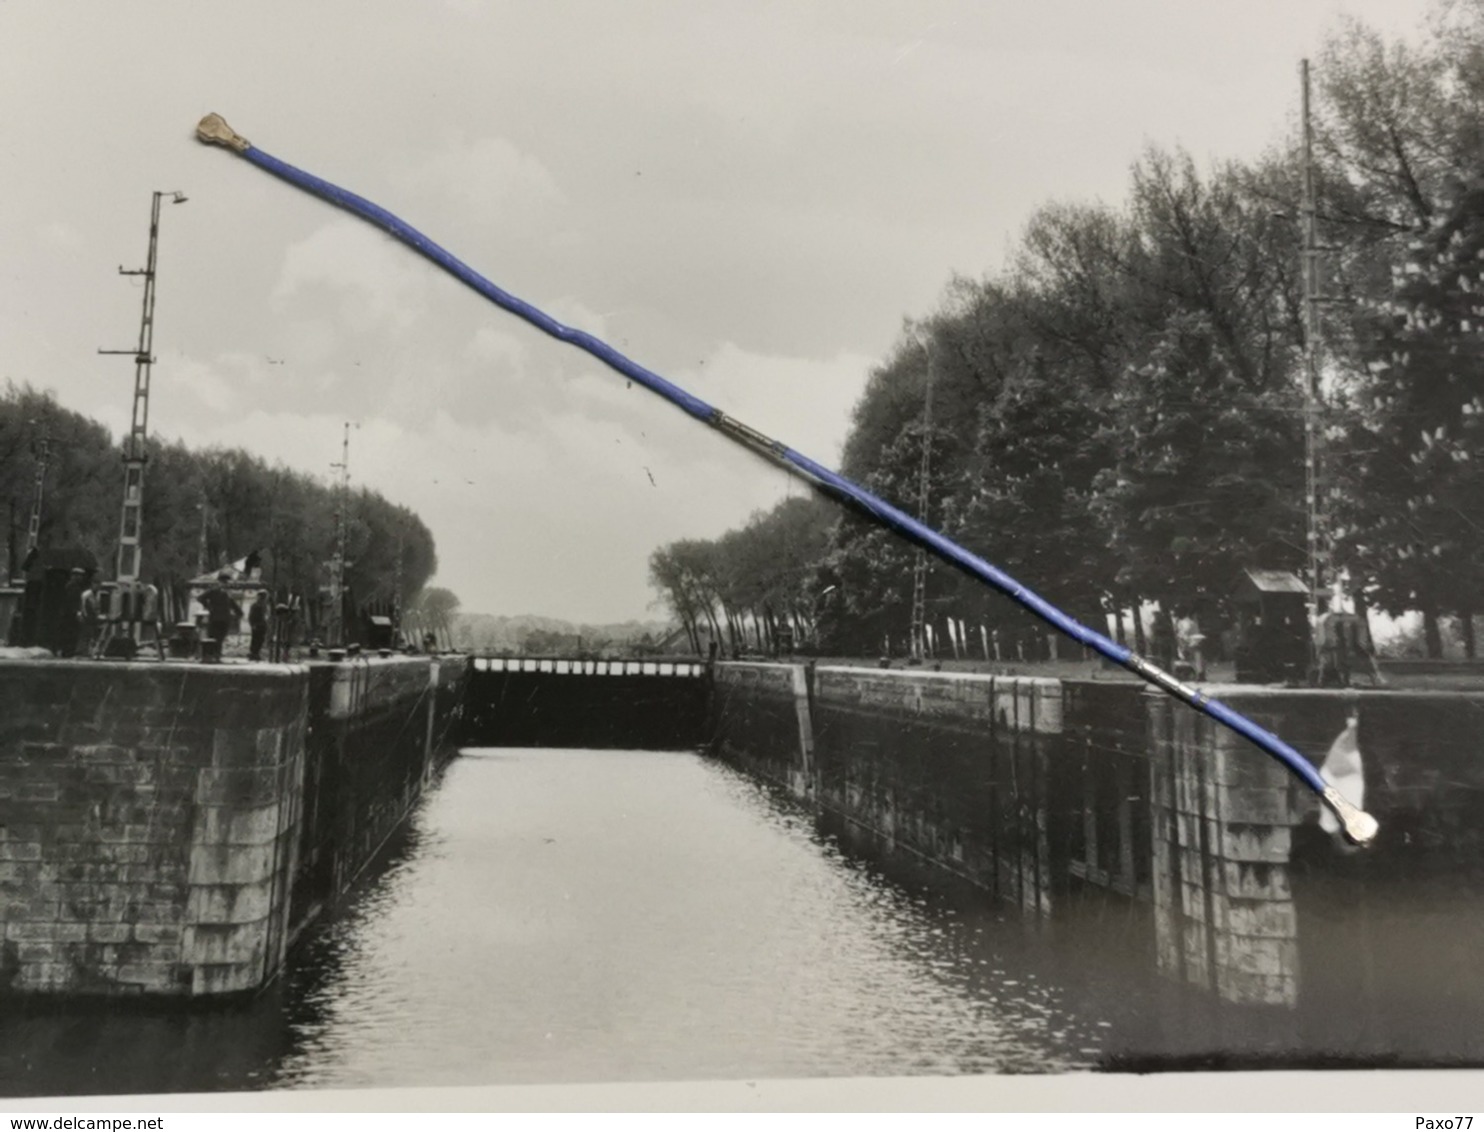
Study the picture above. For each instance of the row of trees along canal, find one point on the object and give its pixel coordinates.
(1118, 414)
(206, 508)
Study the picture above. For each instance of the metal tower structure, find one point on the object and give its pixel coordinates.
(205, 510)
(43, 459)
(135, 456)
(919, 642)
(1315, 494)
(337, 557)
(397, 588)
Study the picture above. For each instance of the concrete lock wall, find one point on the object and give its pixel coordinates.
(1223, 820)
(1050, 793)
(955, 768)
(378, 732)
(152, 817)
(1379, 951)
(147, 824)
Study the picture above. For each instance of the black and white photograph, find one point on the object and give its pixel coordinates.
(583, 544)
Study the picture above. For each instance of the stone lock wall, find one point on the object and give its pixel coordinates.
(148, 823)
(1075, 798)
(377, 735)
(1224, 813)
(1376, 951)
(1103, 788)
(755, 722)
(951, 768)
(166, 829)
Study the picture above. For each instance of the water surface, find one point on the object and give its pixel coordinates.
(553, 916)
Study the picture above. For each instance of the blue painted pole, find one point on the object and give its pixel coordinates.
(1359, 827)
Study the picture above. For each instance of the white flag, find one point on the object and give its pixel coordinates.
(1343, 770)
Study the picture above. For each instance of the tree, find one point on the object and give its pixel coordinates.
(752, 581)
(249, 506)
(1418, 441)
(1207, 478)
(437, 604)
(1118, 414)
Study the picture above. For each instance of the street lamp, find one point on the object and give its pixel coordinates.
(134, 604)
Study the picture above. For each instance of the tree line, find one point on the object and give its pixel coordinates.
(203, 509)
(1118, 414)
(752, 589)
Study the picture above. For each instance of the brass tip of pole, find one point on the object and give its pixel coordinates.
(213, 130)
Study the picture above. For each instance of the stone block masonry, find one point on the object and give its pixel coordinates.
(377, 734)
(1224, 812)
(152, 816)
(755, 714)
(1101, 802)
(148, 824)
(951, 768)
(1377, 951)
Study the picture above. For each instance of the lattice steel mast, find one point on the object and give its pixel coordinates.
(397, 589)
(1315, 496)
(920, 565)
(135, 456)
(337, 558)
(205, 510)
(38, 495)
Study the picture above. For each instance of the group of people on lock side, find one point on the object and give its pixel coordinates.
(223, 611)
(85, 624)
(64, 611)
(76, 616)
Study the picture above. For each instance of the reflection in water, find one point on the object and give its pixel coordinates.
(566, 916)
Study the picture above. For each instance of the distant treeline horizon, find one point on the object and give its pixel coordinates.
(1118, 415)
(536, 635)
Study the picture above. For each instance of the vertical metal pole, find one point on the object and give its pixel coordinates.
(201, 543)
(397, 596)
(135, 455)
(43, 459)
(1317, 532)
(128, 563)
(337, 562)
(920, 566)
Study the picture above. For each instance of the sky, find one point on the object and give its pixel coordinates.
(747, 197)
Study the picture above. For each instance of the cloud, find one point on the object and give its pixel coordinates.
(368, 283)
(492, 345)
(559, 510)
(804, 402)
(487, 175)
(748, 203)
(205, 382)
